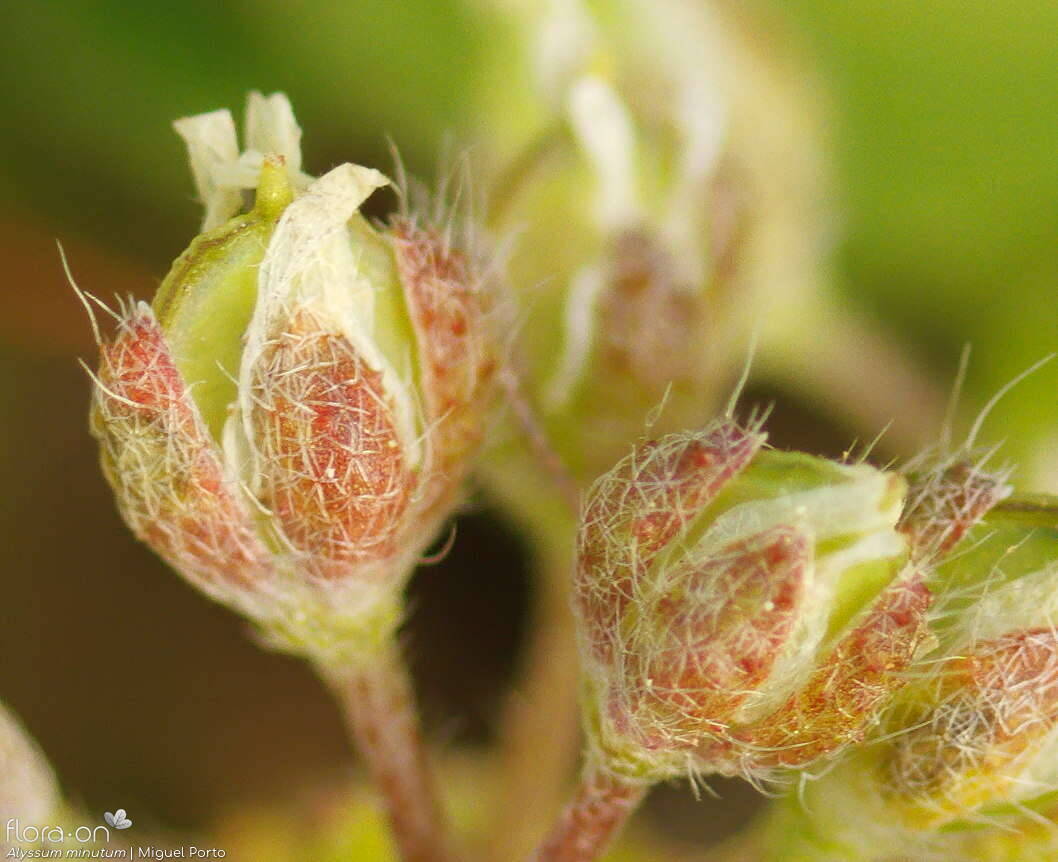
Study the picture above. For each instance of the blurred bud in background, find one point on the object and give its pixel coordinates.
(290, 422)
(659, 180)
(740, 609)
(28, 790)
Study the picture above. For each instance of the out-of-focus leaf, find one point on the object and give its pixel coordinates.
(946, 139)
(95, 86)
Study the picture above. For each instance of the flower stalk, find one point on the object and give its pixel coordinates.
(542, 707)
(378, 705)
(602, 803)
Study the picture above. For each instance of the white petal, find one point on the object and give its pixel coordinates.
(564, 42)
(605, 132)
(272, 129)
(211, 147)
(701, 117)
(579, 319)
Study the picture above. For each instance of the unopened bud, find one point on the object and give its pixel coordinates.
(983, 719)
(989, 736)
(964, 765)
(741, 609)
(946, 497)
(292, 420)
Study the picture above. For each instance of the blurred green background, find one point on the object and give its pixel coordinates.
(943, 139)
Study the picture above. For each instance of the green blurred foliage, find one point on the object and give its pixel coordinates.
(945, 136)
(94, 87)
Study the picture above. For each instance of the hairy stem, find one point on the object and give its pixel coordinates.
(379, 709)
(598, 811)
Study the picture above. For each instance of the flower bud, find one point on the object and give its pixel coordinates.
(740, 609)
(988, 735)
(652, 227)
(946, 497)
(982, 721)
(965, 767)
(28, 790)
(291, 420)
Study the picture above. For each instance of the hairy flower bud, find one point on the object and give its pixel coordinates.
(982, 720)
(966, 767)
(28, 790)
(290, 421)
(740, 609)
(946, 497)
(990, 724)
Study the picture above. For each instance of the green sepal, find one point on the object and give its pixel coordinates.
(205, 303)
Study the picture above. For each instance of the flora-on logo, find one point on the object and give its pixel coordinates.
(119, 819)
(16, 833)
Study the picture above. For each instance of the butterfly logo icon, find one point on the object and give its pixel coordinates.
(119, 819)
